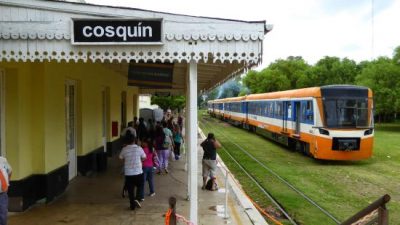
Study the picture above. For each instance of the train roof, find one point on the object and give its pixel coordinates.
(235, 99)
(296, 93)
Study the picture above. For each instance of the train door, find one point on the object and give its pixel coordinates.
(243, 111)
(297, 117)
(287, 115)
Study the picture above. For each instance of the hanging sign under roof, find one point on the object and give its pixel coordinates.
(116, 31)
(151, 75)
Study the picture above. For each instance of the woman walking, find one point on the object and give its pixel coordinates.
(162, 149)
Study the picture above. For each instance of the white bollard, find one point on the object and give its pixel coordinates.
(226, 195)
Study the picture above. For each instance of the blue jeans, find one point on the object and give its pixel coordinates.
(148, 176)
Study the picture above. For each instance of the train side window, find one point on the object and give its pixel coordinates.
(278, 109)
(251, 108)
(266, 109)
(271, 109)
(303, 111)
(259, 108)
(309, 112)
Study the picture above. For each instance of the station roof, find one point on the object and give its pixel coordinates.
(40, 30)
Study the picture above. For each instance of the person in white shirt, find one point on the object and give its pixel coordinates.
(133, 155)
(5, 175)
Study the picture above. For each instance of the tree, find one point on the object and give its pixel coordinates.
(169, 102)
(396, 55)
(332, 70)
(266, 80)
(283, 74)
(382, 76)
(252, 80)
(293, 68)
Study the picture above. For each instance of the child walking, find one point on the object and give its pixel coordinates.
(148, 167)
(177, 141)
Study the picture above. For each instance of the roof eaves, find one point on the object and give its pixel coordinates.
(151, 11)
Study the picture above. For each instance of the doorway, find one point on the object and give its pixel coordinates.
(70, 127)
(123, 110)
(105, 95)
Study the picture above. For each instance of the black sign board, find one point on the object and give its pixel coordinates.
(114, 31)
(151, 75)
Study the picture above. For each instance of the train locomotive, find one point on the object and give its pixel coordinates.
(333, 122)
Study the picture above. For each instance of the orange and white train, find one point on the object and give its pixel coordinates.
(332, 122)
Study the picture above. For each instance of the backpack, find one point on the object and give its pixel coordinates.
(167, 142)
(211, 185)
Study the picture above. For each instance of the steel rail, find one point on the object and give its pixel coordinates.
(273, 200)
(284, 181)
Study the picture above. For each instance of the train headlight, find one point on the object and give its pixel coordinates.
(323, 131)
(369, 131)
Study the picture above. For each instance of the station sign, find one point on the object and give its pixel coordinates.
(151, 75)
(116, 31)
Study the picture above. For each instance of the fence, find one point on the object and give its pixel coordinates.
(375, 213)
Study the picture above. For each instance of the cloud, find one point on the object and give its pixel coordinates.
(308, 28)
(334, 6)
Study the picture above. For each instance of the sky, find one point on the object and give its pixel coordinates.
(308, 28)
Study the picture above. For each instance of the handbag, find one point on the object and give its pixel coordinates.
(183, 148)
(171, 155)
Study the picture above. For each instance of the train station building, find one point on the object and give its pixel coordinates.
(71, 75)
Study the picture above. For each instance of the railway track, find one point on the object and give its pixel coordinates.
(217, 130)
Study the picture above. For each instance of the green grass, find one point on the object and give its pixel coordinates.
(342, 188)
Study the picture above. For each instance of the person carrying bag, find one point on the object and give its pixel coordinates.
(209, 162)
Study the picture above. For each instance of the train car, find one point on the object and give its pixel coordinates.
(330, 122)
(235, 110)
(217, 108)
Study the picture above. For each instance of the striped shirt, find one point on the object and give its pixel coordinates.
(5, 173)
(132, 156)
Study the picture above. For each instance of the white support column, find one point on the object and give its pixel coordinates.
(193, 141)
(187, 131)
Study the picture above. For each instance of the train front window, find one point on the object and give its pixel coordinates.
(346, 113)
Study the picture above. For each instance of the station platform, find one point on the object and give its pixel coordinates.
(96, 199)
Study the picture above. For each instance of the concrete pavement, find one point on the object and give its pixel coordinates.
(97, 199)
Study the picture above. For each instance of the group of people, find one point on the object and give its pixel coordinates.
(146, 148)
